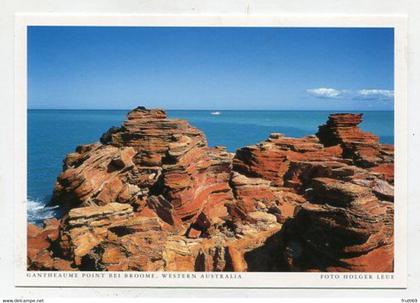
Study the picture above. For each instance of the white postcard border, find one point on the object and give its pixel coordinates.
(398, 279)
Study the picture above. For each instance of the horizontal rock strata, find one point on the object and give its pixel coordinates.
(152, 196)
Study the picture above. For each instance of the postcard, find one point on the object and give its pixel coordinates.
(238, 152)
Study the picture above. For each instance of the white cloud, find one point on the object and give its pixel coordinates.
(362, 94)
(324, 92)
(375, 94)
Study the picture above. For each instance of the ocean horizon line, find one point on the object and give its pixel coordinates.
(176, 109)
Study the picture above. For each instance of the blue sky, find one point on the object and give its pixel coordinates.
(210, 68)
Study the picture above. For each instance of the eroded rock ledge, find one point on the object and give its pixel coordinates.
(152, 196)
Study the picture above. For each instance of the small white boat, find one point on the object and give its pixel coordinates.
(215, 113)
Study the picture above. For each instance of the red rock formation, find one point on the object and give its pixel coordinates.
(342, 128)
(149, 159)
(362, 147)
(345, 228)
(153, 196)
(39, 253)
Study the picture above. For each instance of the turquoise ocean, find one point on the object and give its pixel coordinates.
(54, 133)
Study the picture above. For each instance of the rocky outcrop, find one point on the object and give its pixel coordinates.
(152, 196)
(147, 162)
(41, 241)
(362, 147)
(344, 228)
(343, 128)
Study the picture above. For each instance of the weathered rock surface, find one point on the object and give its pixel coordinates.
(152, 196)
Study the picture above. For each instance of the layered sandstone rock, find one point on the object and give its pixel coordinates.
(362, 147)
(344, 228)
(149, 162)
(151, 195)
(343, 128)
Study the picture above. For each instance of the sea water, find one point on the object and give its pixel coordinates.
(54, 133)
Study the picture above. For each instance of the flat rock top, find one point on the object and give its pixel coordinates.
(91, 211)
(344, 119)
(143, 113)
